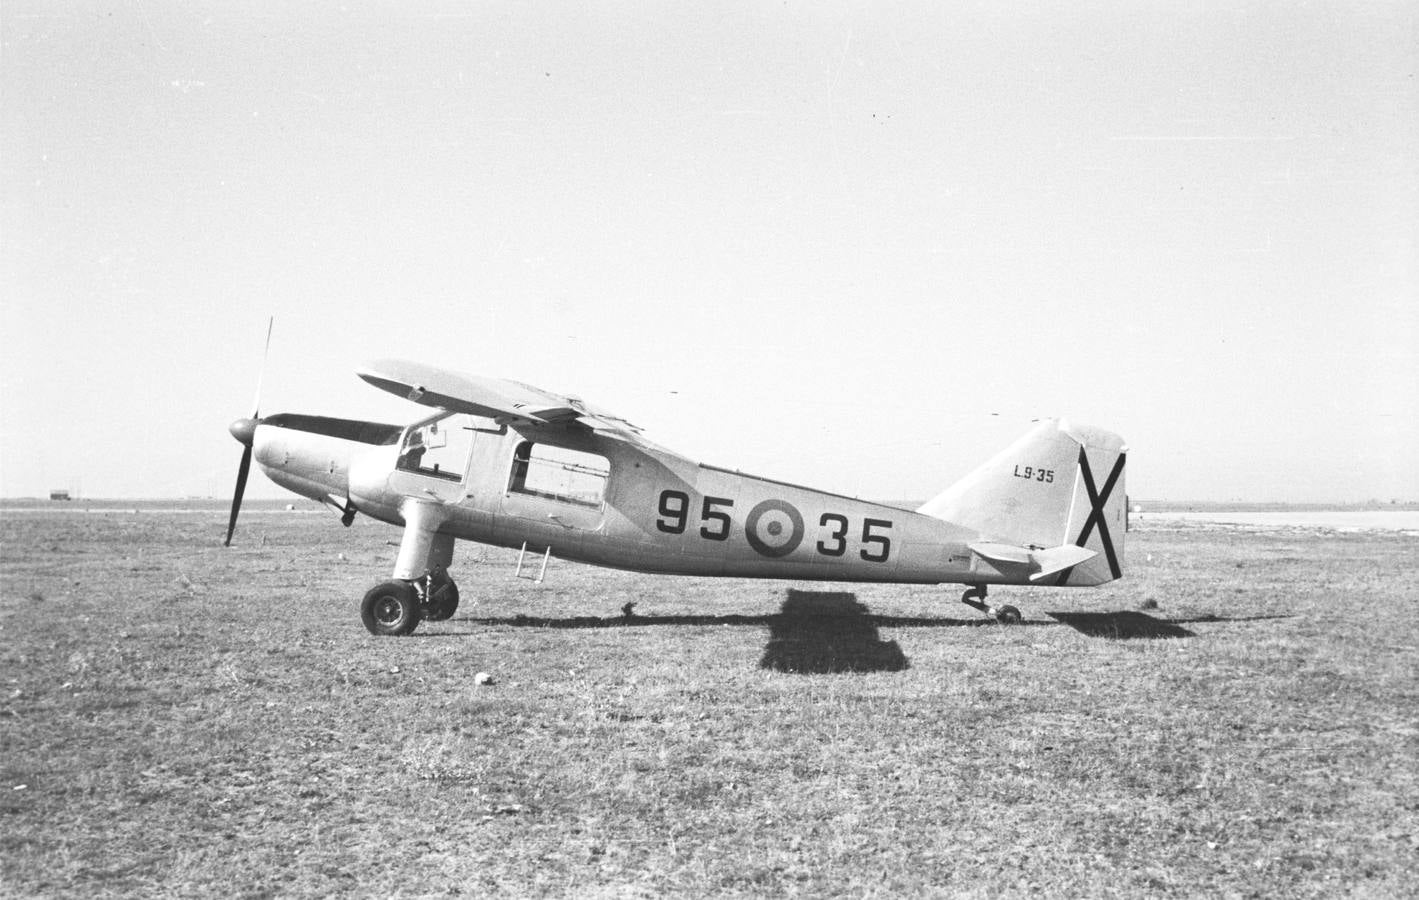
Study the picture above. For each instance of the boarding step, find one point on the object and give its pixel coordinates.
(541, 571)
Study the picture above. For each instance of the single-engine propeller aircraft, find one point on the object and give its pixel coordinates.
(511, 465)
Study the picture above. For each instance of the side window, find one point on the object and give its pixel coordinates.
(438, 448)
(557, 473)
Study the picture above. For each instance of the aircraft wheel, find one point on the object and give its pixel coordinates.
(443, 600)
(391, 608)
(1007, 615)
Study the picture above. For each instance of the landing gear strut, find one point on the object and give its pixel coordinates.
(422, 588)
(975, 597)
(439, 595)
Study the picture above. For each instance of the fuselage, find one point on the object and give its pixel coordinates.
(589, 497)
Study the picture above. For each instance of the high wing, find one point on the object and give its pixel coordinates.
(492, 398)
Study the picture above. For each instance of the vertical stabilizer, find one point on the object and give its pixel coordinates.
(1059, 485)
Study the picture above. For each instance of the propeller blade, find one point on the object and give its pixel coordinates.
(244, 430)
(242, 471)
(261, 375)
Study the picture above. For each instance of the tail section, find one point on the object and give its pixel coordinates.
(1057, 493)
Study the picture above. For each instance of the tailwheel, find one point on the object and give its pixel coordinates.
(442, 600)
(975, 598)
(391, 608)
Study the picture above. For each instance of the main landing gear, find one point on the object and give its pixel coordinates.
(421, 587)
(975, 597)
(396, 607)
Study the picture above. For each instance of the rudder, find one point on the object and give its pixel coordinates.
(1098, 516)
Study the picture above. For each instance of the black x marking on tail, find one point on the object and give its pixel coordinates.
(1097, 500)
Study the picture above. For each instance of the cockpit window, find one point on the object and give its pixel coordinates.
(437, 447)
(557, 473)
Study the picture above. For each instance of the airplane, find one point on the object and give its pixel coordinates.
(507, 464)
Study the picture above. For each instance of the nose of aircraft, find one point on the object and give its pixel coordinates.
(244, 430)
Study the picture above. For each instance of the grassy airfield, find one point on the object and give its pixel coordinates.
(181, 719)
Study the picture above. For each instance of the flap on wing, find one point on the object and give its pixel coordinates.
(492, 398)
(1055, 559)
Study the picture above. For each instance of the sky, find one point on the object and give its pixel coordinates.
(858, 246)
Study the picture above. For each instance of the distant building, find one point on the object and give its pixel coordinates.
(59, 494)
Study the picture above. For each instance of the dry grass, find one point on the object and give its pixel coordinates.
(179, 719)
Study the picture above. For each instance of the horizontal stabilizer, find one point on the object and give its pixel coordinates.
(1057, 559)
(1046, 562)
(1006, 553)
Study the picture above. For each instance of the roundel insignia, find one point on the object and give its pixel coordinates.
(774, 528)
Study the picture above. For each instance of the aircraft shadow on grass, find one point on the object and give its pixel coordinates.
(797, 607)
(1128, 624)
(814, 632)
(824, 632)
(827, 632)
(1124, 625)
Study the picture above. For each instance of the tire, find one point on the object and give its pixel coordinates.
(391, 608)
(443, 600)
(1007, 615)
